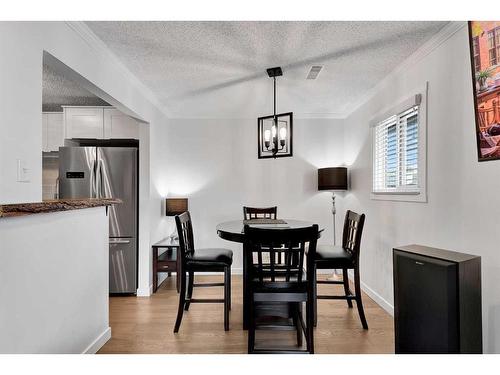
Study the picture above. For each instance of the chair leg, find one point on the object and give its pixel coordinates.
(251, 326)
(297, 322)
(315, 297)
(359, 303)
(310, 324)
(227, 283)
(177, 276)
(189, 290)
(229, 287)
(346, 286)
(182, 300)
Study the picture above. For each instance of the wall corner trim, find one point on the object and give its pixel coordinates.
(99, 342)
(80, 28)
(429, 46)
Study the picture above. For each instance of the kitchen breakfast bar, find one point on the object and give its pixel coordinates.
(54, 266)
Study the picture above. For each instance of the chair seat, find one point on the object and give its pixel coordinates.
(328, 256)
(211, 257)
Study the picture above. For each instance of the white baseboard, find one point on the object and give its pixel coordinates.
(379, 300)
(145, 292)
(99, 342)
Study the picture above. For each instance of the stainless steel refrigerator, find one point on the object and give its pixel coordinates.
(107, 172)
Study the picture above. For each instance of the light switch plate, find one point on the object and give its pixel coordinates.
(23, 172)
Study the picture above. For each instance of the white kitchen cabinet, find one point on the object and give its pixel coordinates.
(52, 131)
(99, 123)
(84, 122)
(119, 125)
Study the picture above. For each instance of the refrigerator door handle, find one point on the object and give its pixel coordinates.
(93, 178)
(102, 190)
(118, 241)
(98, 178)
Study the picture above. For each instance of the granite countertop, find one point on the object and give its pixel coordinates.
(22, 209)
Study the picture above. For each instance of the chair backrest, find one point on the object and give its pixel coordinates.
(353, 229)
(259, 213)
(290, 242)
(185, 232)
(487, 117)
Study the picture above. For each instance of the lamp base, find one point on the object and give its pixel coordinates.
(173, 236)
(336, 276)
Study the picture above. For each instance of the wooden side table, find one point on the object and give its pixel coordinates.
(167, 261)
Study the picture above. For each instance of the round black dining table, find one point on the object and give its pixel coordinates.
(233, 231)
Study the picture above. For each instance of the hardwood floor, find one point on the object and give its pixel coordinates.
(145, 325)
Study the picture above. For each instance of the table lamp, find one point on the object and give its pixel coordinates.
(175, 206)
(333, 178)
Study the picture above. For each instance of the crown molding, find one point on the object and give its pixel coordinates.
(103, 50)
(320, 115)
(434, 42)
(296, 116)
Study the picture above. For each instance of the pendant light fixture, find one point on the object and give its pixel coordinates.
(275, 131)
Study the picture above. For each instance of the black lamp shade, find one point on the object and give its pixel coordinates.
(332, 178)
(175, 206)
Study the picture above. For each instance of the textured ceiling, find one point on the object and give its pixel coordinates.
(58, 90)
(217, 69)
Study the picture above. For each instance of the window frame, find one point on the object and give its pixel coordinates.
(418, 194)
(493, 46)
(476, 50)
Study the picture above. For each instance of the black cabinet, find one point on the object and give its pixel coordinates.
(437, 301)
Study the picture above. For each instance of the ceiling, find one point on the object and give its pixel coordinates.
(218, 69)
(58, 90)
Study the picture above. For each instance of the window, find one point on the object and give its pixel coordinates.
(494, 46)
(396, 153)
(477, 57)
(399, 150)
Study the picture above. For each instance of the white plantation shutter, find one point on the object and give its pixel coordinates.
(395, 156)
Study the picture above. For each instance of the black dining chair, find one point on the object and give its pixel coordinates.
(278, 291)
(200, 260)
(253, 213)
(343, 257)
(259, 213)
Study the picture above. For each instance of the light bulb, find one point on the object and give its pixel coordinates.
(274, 131)
(282, 133)
(267, 135)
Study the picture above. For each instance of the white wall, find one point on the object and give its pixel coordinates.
(54, 282)
(22, 45)
(223, 193)
(214, 163)
(463, 201)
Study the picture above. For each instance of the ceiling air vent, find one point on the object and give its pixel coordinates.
(313, 73)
